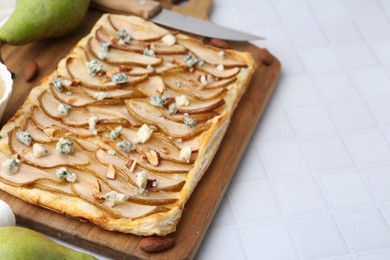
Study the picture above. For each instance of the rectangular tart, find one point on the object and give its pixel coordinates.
(121, 133)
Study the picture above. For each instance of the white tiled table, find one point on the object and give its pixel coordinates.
(315, 181)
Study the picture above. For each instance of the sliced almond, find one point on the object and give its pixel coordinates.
(111, 172)
(153, 157)
(131, 165)
(49, 131)
(97, 192)
(151, 183)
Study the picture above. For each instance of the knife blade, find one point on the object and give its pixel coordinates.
(152, 10)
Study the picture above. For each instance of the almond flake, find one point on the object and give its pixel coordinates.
(75, 82)
(111, 172)
(153, 157)
(131, 165)
(96, 192)
(49, 131)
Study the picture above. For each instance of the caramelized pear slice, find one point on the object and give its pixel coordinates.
(103, 34)
(137, 27)
(26, 174)
(55, 186)
(115, 56)
(161, 48)
(149, 114)
(52, 159)
(165, 167)
(37, 134)
(123, 93)
(221, 83)
(45, 122)
(187, 88)
(77, 69)
(79, 117)
(160, 143)
(221, 74)
(209, 54)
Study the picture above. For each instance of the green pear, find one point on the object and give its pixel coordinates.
(24, 243)
(34, 20)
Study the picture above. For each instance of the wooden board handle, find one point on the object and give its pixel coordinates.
(144, 8)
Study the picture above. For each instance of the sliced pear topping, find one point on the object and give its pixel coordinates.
(115, 56)
(221, 74)
(78, 71)
(54, 158)
(210, 54)
(161, 48)
(165, 182)
(152, 115)
(137, 28)
(53, 127)
(191, 89)
(37, 134)
(80, 116)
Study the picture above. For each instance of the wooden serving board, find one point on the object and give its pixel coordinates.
(207, 196)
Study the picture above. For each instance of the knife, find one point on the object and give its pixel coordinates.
(152, 10)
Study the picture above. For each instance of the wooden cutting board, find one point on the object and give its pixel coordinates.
(207, 196)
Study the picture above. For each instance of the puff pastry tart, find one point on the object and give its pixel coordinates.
(121, 133)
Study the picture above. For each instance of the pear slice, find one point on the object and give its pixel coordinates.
(37, 134)
(189, 89)
(102, 34)
(166, 148)
(161, 48)
(144, 112)
(130, 69)
(52, 159)
(209, 54)
(221, 83)
(77, 69)
(26, 174)
(45, 122)
(115, 56)
(155, 84)
(137, 27)
(221, 74)
(123, 93)
(173, 173)
(55, 186)
(78, 117)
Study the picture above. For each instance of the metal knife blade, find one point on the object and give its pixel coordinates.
(153, 11)
(201, 27)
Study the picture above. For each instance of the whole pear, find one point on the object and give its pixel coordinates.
(24, 243)
(40, 19)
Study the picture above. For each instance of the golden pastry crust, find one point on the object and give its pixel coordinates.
(212, 102)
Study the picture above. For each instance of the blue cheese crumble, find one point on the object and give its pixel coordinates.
(112, 152)
(172, 109)
(63, 110)
(93, 67)
(144, 133)
(192, 61)
(102, 95)
(65, 146)
(11, 166)
(104, 50)
(92, 121)
(149, 53)
(141, 179)
(124, 37)
(188, 121)
(59, 83)
(114, 198)
(64, 174)
(158, 101)
(119, 78)
(39, 150)
(24, 137)
(125, 146)
(116, 132)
